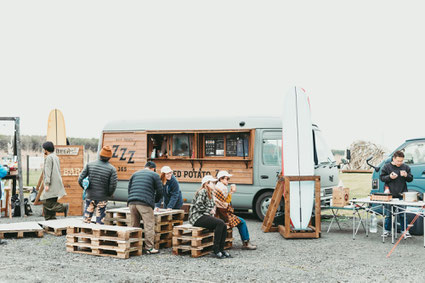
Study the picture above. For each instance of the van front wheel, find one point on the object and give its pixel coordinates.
(262, 205)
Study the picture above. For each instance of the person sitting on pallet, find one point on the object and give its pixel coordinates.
(102, 184)
(201, 214)
(225, 211)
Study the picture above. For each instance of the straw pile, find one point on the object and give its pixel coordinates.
(362, 150)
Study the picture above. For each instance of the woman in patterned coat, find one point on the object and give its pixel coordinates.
(202, 212)
(225, 211)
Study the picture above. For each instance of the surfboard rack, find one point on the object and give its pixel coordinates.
(283, 189)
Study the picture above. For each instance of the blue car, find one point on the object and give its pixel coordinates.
(414, 156)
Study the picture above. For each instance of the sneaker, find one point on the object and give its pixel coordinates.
(152, 251)
(386, 233)
(2, 242)
(66, 206)
(226, 254)
(407, 235)
(248, 246)
(218, 255)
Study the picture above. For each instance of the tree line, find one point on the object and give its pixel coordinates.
(34, 143)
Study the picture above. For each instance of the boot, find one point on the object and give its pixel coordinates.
(66, 206)
(248, 246)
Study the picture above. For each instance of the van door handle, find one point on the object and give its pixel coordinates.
(264, 177)
(423, 173)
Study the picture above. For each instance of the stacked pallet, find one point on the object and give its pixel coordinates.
(165, 220)
(20, 230)
(58, 227)
(104, 240)
(196, 241)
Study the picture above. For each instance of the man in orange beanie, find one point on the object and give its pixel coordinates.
(102, 184)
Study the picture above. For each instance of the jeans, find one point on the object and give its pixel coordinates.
(400, 219)
(90, 206)
(243, 230)
(219, 227)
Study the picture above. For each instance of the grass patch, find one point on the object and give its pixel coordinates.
(359, 184)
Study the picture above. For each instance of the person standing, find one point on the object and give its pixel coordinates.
(201, 214)
(102, 184)
(395, 175)
(3, 173)
(144, 190)
(172, 196)
(223, 199)
(53, 186)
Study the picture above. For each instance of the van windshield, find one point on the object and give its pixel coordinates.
(324, 154)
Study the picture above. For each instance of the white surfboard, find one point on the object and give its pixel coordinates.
(298, 158)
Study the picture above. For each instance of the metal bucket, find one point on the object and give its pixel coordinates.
(410, 196)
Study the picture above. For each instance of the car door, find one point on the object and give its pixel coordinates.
(414, 156)
(271, 158)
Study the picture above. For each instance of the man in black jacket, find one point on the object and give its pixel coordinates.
(102, 184)
(144, 190)
(395, 175)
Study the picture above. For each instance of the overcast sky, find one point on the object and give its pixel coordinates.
(361, 62)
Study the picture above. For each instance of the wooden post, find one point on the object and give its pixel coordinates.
(28, 170)
(274, 204)
(18, 153)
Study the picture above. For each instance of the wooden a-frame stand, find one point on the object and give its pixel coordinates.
(283, 189)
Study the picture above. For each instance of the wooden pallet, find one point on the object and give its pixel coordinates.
(105, 232)
(104, 240)
(123, 215)
(118, 245)
(104, 252)
(197, 252)
(59, 227)
(197, 241)
(189, 230)
(20, 230)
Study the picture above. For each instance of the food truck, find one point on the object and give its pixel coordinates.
(249, 148)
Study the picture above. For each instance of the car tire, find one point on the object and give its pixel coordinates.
(262, 204)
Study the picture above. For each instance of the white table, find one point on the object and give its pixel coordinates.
(397, 207)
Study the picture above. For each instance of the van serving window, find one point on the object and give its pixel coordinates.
(226, 145)
(182, 145)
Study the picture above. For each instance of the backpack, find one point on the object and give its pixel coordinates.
(16, 206)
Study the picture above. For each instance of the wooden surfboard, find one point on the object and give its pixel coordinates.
(298, 158)
(56, 128)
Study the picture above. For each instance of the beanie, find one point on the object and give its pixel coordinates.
(106, 151)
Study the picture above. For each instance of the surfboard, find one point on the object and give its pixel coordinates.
(56, 128)
(298, 156)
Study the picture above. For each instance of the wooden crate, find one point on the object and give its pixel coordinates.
(20, 230)
(196, 241)
(381, 197)
(104, 240)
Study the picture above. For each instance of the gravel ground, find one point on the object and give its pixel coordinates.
(335, 257)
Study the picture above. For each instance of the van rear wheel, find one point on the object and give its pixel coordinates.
(262, 205)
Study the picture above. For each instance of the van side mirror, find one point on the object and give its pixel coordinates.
(348, 154)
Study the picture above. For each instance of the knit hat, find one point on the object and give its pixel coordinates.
(106, 151)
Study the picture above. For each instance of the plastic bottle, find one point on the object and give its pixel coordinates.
(373, 224)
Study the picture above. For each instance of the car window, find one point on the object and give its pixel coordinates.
(414, 153)
(272, 152)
